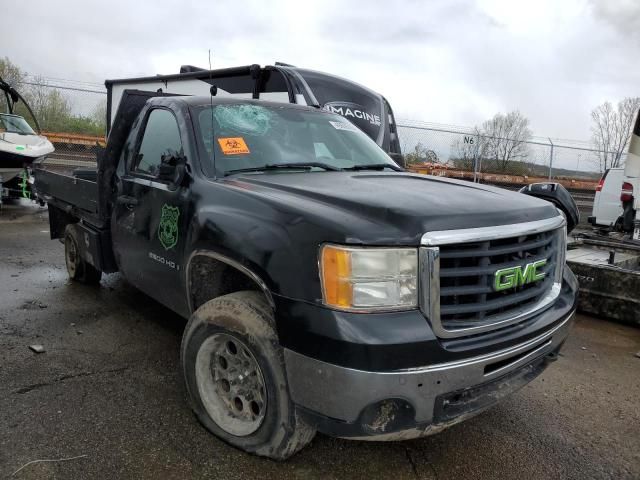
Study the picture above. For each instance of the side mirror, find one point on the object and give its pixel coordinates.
(559, 196)
(172, 168)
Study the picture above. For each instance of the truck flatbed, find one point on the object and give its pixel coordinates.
(75, 192)
(609, 273)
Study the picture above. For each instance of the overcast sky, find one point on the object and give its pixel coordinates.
(456, 62)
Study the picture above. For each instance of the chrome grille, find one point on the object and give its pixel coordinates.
(458, 292)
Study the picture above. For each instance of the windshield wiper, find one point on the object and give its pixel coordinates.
(375, 166)
(280, 166)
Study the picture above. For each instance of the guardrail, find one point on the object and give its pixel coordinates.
(74, 150)
(75, 139)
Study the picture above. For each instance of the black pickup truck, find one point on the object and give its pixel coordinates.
(326, 288)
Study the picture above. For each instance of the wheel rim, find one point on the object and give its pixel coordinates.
(231, 384)
(71, 256)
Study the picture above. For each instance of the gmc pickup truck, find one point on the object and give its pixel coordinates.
(326, 288)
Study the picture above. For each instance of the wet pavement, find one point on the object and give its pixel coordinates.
(107, 390)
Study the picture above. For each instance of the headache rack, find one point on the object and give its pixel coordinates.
(459, 296)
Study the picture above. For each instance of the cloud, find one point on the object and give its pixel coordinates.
(454, 62)
(622, 15)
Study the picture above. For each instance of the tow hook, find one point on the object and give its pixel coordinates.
(551, 357)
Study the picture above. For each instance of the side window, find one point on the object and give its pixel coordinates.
(161, 135)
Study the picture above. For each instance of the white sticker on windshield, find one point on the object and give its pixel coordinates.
(350, 127)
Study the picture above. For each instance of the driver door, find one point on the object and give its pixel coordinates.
(150, 216)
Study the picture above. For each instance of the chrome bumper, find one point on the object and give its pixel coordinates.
(342, 393)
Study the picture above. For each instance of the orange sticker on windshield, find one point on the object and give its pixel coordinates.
(233, 146)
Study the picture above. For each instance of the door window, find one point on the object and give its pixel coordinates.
(161, 136)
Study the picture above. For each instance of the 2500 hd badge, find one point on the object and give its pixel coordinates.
(164, 261)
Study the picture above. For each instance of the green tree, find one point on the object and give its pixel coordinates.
(13, 75)
(10, 72)
(51, 106)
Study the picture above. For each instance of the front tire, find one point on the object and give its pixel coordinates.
(235, 376)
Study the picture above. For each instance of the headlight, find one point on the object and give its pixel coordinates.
(369, 278)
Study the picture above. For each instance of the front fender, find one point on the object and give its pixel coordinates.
(261, 245)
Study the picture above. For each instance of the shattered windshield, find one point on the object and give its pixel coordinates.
(247, 136)
(14, 124)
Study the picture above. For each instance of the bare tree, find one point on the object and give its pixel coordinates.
(497, 142)
(505, 138)
(469, 151)
(421, 154)
(611, 130)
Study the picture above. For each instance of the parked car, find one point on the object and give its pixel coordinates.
(630, 192)
(607, 207)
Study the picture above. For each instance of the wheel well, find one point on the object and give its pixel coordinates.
(210, 277)
(58, 221)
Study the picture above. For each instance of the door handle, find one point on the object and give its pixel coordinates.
(127, 200)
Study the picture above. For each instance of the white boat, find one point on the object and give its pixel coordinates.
(20, 145)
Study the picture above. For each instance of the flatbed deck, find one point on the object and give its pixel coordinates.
(75, 192)
(608, 271)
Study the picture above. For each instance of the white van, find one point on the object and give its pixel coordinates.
(607, 207)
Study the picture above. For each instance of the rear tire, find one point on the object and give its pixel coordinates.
(78, 268)
(234, 371)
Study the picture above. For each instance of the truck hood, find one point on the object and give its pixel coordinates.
(390, 207)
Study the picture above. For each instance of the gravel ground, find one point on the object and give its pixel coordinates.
(108, 389)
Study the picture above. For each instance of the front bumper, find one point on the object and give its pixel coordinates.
(408, 403)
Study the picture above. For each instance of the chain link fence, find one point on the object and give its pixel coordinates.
(73, 115)
(466, 149)
(465, 153)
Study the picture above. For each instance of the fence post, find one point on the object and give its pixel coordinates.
(550, 159)
(475, 169)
